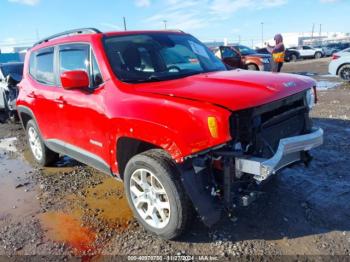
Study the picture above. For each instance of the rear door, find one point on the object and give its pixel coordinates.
(230, 57)
(82, 126)
(44, 92)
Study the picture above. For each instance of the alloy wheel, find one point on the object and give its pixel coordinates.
(150, 198)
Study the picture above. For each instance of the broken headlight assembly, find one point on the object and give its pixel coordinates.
(311, 98)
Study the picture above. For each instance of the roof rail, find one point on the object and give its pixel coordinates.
(69, 32)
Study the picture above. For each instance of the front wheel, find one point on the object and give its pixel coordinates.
(42, 155)
(156, 195)
(344, 72)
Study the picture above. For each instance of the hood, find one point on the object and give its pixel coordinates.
(235, 90)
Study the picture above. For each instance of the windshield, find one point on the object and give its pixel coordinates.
(12, 69)
(159, 56)
(244, 50)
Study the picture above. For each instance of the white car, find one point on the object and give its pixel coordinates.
(340, 65)
(306, 51)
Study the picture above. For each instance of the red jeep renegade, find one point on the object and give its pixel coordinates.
(159, 111)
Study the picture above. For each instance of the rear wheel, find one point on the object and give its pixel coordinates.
(344, 72)
(156, 195)
(293, 58)
(42, 155)
(252, 67)
(318, 55)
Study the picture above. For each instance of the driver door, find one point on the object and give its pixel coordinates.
(231, 57)
(83, 111)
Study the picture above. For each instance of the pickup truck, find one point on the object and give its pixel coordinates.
(239, 56)
(158, 111)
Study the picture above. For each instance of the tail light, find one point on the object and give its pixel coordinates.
(335, 57)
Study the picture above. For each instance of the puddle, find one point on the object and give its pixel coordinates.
(65, 228)
(8, 144)
(305, 73)
(17, 195)
(325, 85)
(91, 210)
(109, 199)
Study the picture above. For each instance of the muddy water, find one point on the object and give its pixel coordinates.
(67, 229)
(17, 193)
(88, 213)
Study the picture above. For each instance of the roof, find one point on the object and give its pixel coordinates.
(87, 33)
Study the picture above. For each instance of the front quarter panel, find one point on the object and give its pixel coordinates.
(177, 125)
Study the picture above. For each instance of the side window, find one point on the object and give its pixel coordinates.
(77, 57)
(228, 53)
(306, 47)
(73, 57)
(44, 68)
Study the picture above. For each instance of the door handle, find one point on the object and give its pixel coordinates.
(32, 95)
(60, 100)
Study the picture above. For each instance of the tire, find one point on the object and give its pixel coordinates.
(252, 67)
(318, 55)
(155, 165)
(344, 72)
(41, 154)
(293, 58)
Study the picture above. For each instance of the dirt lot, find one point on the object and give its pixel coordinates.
(73, 211)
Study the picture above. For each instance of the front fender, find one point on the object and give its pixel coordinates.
(177, 125)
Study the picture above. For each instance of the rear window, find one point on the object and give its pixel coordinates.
(42, 66)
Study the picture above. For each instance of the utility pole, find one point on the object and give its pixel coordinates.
(313, 30)
(262, 34)
(124, 22)
(165, 24)
(320, 29)
(239, 39)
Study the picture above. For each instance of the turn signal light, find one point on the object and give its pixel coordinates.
(213, 126)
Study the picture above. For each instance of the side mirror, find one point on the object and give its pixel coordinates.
(75, 79)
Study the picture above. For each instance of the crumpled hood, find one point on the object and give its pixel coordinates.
(235, 90)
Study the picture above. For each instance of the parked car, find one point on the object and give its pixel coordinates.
(10, 76)
(340, 65)
(183, 139)
(251, 58)
(290, 55)
(331, 49)
(243, 57)
(308, 51)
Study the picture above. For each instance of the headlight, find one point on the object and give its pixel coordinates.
(311, 98)
(265, 60)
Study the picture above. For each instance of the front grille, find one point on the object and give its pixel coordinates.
(261, 128)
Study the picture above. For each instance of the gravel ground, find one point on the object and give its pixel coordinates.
(73, 211)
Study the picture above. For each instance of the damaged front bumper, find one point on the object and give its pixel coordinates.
(213, 191)
(289, 151)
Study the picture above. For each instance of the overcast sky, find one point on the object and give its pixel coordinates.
(23, 21)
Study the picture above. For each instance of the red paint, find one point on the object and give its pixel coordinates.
(172, 114)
